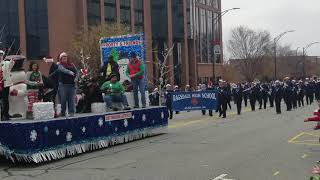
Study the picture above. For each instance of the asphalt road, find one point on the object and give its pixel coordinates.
(258, 145)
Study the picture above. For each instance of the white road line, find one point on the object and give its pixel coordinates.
(222, 177)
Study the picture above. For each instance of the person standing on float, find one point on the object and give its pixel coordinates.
(135, 70)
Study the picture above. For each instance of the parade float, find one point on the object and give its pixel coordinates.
(45, 138)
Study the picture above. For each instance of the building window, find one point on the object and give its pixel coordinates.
(177, 19)
(36, 14)
(94, 13)
(159, 19)
(125, 12)
(204, 39)
(9, 26)
(110, 11)
(138, 16)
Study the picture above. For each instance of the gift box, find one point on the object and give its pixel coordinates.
(98, 108)
(43, 110)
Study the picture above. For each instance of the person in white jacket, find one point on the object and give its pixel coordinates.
(6, 67)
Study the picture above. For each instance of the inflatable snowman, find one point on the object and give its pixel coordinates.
(18, 100)
(123, 63)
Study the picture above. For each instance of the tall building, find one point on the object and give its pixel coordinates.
(38, 28)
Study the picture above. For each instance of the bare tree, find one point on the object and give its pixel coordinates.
(163, 68)
(249, 47)
(285, 50)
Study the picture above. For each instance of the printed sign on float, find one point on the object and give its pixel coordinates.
(120, 48)
(187, 101)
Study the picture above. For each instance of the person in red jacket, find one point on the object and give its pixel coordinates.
(135, 70)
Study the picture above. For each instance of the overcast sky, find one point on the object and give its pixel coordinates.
(277, 16)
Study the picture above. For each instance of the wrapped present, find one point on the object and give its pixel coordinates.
(43, 110)
(98, 108)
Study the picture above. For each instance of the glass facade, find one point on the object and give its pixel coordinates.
(9, 26)
(36, 14)
(207, 31)
(94, 13)
(110, 10)
(138, 16)
(125, 12)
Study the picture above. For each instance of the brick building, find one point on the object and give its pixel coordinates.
(38, 28)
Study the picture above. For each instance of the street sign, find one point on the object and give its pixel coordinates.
(217, 49)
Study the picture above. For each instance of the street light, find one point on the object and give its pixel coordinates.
(215, 22)
(275, 40)
(304, 55)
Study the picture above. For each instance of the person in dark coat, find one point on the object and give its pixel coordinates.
(317, 90)
(312, 91)
(204, 88)
(264, 94)
(168, 97)
(288, 93)
(309, 92)
(271, 94)
(109, 68)
(154, 97)
(90, 94)
(245, 95)
(238, 95)
(223, 99)
(56, 70)
(252, 97)
(301, 93)
(257, 94)
(294, 95)
(278, 94)
(46, 92)
(228, 94)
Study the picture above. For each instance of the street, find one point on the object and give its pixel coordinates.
(258, 145)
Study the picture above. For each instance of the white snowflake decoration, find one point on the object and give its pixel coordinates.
(132, 116)
(116, 129)
(33, 135)
(153, 121)
(144, 118)
(125, 123)
(83, 129)
(69, 136)
(100, 122)
(57, 132)
(162, 115)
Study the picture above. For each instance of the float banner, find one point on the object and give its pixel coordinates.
(120, 48)
(187, 101)
(45, 140)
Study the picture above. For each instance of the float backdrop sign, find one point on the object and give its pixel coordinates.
(200, 100)
(120, 47)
